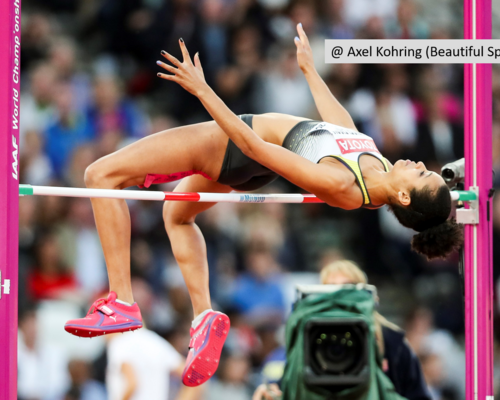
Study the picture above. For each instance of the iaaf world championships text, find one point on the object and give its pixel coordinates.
(412, 51)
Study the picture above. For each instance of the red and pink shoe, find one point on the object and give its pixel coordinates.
(205, 347)
(106, 316)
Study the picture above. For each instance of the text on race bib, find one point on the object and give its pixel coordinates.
(356, 145)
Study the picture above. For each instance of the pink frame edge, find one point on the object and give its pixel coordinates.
(10, 43)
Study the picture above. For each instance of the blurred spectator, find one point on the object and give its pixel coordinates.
(432, 367)
(42, 368)
(37, 33)
(50, 279)
(139, 365)
(83, 387)
(112, 117)
(36, 167)
(408, 24)
(426, 339)
(68, 130)
(358, 12)
(81, 158)
(232, 379)
(257, 293)
(37, 104)
(236, 81)
(439, 134)
(388, 115)
(214, 35)
(62, 56)
(283, 88)
(83, 249)
(306, 13)
(335, 25)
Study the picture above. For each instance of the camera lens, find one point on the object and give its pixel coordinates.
(453, 172)
(448, 174)
(337, 349)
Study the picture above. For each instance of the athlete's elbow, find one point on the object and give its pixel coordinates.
(252, 150)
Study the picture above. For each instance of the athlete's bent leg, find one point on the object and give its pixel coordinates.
(210, 328)
(188, 244)
(112, 220)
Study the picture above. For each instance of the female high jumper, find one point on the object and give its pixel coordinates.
(328, 158)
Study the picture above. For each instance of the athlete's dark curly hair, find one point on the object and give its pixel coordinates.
(428, 214)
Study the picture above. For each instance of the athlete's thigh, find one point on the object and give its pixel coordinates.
(183, 211)
(194, 147)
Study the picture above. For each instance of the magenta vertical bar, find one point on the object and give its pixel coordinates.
(10, 49)
(478, 242)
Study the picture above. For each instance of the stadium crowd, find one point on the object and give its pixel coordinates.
(89, 87)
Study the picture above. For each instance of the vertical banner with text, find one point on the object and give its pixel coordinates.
(10, 48)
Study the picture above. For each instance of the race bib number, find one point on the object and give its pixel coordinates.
(356, 145)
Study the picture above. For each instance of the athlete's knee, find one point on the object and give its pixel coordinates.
(173, 218)
(98, 176)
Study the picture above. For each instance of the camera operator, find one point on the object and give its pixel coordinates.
(400, 364)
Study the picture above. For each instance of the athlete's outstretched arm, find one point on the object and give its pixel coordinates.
(328, 107)
(315, 178)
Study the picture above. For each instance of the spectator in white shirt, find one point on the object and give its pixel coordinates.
(139, 366)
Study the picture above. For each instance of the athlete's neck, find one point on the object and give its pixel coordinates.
(379, 185)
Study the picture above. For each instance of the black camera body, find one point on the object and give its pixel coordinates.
(336, 350)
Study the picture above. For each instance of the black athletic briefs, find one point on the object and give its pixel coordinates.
(241, 172)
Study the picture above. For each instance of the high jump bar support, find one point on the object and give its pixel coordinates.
(478, 246)
(478, 235)
(28, 190)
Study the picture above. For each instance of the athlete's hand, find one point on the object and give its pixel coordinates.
(304, 51)
(190, 76)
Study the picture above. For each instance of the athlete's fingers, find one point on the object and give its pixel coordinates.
(185, 52)
(169, 68)
(168, 77)
(197, 62)
(302, 34)
(298, 43)
(170, 58)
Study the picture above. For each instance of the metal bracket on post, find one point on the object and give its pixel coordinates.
(470, 216)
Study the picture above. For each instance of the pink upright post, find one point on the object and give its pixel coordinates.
(10, 50)
(478, 242)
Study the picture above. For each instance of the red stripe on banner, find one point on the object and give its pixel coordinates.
(182, 196)
(310, 198)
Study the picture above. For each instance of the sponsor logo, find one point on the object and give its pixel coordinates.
(15, 157)
(356, 145)
(252, 198)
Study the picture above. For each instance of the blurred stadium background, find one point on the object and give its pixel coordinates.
(89, 87)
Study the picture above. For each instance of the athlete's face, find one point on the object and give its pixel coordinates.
(410, 175)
